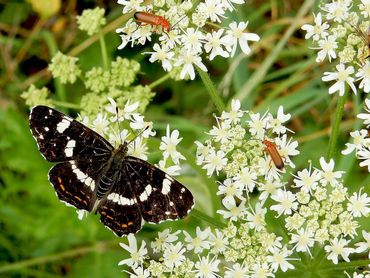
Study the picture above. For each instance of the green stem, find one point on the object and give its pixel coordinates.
(60, 89)
(202, 216)
(98, 247)
(335, 126)
(211, 90)
(159, 81)
(103, 49)
(66, 104)
(345, 265)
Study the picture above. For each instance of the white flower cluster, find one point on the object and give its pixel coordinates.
(361, 140)
(231, 252)
(133, 126)
(246, 165)
(315, 209)
(180, 48)
(341, 32)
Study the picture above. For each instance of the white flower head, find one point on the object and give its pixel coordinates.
(237, 34)
(169, 143)
(316, 31)
(338, 247)
(136, 255)
(342, 76)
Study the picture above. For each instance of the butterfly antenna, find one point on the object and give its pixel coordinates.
(118, 127)
(137, 135)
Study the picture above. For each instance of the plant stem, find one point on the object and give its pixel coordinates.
(66, 104)
(60, 89)
(98, 247)
(159, 81)
(211, 90)
(345, 265)
(335, 126)
(103, 49)
(202, 216)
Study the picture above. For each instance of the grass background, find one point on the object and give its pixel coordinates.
(40, 236)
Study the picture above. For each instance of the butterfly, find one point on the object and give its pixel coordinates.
(92, 175)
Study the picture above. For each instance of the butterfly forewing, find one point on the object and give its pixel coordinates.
(94, 176)
(60, 138)
(160, 196)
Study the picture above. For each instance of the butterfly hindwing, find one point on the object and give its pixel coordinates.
(120, 210)
(72, 186)
(160, 196)
(60, 138)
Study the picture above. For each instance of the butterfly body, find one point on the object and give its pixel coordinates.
(92, 175)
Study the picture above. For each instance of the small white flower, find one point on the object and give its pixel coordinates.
(218, 242)
(138, 149)
(173, 170)
(287, 202)
(359, 204)
(328, 175)
(199, 242)
(279, 258)
(234, 115)
(169, 143)
(123, 114)
(187, 60)
(163, 55)
(277, 123)
(221, 132)
(164, 238)
(306, 180)
(365, 8)
(256, 219)
(173, 255)
(257, 125)
(246, 178)
(192, 40)
(327, 47)
(215, 44)
(233, 211)
(269, 187)
(316, 31)
(261, 270)
(364, 154)
(366, 116)
(131, 5)
(138, 123)
(206, 268)
(101, 124)
(230, 190)
(202, 152)
(337, 10)
(237, 35)
(359, 140)
(338, 248)
(304, 240)
(287, 148)
(364, 246)
(139, 272)
(238, 271)
(342, 76)
(136, 255)
(212, 9)
(215, 161)
(364, 75)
